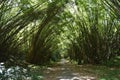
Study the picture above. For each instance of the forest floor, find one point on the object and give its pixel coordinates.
(64, 70)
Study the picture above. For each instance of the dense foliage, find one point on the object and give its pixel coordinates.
(41, 31)
(99, 33)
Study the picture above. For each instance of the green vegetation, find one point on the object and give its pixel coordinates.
(41, 32)
(98, 38)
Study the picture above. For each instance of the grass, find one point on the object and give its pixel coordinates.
(106, 73)
(110, 74)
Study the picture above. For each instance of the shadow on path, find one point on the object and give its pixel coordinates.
(66, 71)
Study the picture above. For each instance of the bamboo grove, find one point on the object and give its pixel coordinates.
(40, 31)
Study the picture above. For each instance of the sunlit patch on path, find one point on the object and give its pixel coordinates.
(66, 71)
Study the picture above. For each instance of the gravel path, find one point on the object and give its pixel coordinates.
(66, 71)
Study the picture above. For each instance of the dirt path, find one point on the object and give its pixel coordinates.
(66, 71)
